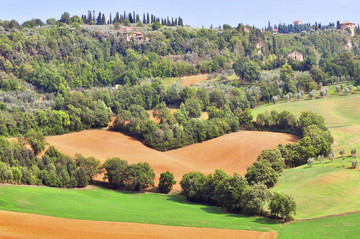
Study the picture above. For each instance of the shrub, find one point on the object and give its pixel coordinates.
(354, 163)
(166, 182)
(353, 151)
(342, 152)
(311, 162)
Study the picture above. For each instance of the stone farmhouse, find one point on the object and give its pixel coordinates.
(348, 26)
(296, 56)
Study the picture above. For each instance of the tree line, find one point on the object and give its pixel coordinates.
(129, 18)
(249, 195)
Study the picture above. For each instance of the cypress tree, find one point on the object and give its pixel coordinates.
(98, 19)
(103, 20)
(89, 17)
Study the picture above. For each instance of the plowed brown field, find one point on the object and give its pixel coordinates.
(233, 152)
(22, 225)
(193, 80)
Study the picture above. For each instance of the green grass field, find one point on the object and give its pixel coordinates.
(107, 205)
(332, 227)
(325, 189)
(341, 113)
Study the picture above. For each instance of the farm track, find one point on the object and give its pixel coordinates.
(23, 225)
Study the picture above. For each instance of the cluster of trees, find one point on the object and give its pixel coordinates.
(288, 84)
(134, 177)
(315, 140)
(249, 195)
(19, 165)
(298, 28)
(126, 18)
(228, 110)
(71, 112)
(235, 194)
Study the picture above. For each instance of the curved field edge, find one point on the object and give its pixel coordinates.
(233, 152)
(347, 226)
(98, 204)
(23, 225)
(341, 115)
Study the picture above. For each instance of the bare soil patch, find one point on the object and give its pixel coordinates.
(233, 152)
(23, 225)
(193, 80)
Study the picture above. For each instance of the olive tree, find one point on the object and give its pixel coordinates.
(312, 94)
(332, 156)
(342, 152)
(338, 89)
(353, 152)
(311, 162)
(275, 99)
(347, 90)
(355, 163)
(320, 158)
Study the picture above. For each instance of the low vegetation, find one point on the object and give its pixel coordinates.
(326, 188)
(346, 226)
(109, 205)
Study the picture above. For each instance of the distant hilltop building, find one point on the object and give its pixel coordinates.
(296, 56)
(297, 22)
(349, 26)
(275, 31)
(131, 33)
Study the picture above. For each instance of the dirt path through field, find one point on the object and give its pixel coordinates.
(23, 225)
(233, 152)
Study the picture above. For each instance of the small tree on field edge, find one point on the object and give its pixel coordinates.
(311, 162)
(166, 182)
(283, 205)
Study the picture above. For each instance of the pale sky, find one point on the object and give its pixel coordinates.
(194, 13)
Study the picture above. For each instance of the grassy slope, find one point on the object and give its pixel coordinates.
(332, 227)
(107, 205)
(342, 114)
(325, 189)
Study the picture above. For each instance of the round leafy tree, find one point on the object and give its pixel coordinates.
(166, 182)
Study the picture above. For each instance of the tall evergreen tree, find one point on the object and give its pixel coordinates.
(103, 20)
(338, 25)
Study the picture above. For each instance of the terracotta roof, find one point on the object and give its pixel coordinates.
(346, 23)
